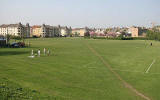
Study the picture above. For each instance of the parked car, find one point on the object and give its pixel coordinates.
(18, 45)
(21, 44)
(15, 45)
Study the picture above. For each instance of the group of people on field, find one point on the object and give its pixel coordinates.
(45, 52)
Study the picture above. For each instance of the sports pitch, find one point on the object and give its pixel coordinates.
(86, 69)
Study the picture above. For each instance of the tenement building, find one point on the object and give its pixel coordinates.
(15, 30)
(137, 31)
(45, 31)
(65, 31)
(49, 31)
(133, 31)
(36, 31)
(80, 31)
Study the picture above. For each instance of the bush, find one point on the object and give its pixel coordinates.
(121, 38)
(153, 35)
(140, 38)
(34, 36)
(99, 37)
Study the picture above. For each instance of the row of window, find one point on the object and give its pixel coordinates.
(6, 33)
(9, 30)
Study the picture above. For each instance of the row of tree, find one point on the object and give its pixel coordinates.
(153, 35)
(8, 37)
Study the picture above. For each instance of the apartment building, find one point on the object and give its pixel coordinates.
(80, 31)
(45, 31)
(15, 30)
(134, 31)
(36, 30)
(137, 31)
(65, 31)
(157, 28)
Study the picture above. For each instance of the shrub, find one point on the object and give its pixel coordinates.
(121, 38)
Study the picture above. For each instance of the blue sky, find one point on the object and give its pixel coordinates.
(81, 13)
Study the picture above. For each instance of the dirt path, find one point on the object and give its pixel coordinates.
(127, 85)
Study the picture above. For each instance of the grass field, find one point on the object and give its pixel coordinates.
(78, 68)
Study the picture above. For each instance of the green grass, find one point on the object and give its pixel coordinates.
(73, 72)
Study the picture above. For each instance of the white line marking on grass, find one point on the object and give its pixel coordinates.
(135, 71)
(150, 66)
(128, 71)
(88, 64)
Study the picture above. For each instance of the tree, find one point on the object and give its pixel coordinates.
(87, 34)
(16, 37)
(153, 35)
(108, 30)
(8, 37)
(76, 34)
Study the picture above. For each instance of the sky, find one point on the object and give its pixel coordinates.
(81, 13)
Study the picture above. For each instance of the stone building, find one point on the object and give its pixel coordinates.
(137, 31)
(134, 31)
(65, 31)
(36, 31)
(80, 31)
(45, 31)
(157, 28)
(27, 30)
(15, 30)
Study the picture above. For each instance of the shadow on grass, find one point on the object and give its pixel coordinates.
(7, 53)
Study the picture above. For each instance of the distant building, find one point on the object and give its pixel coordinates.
(52, 31)
(80, 31)
(157, 28)
(15, 30)
(45, 31)
(100, 31)
(65, 31)
(27, 30)
(36, 30)
(137, 31)
(133, 31)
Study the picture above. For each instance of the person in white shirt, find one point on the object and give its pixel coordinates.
(32, 53)
(39, 53)
(44, 50)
